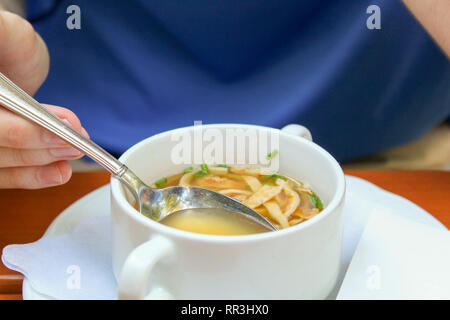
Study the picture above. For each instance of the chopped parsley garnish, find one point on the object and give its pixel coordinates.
(316, 202)
(187, 170)
(247, 187)
(204, 168)
(222, 165)
(199, 174)
(272, 154)
(273, 177)
(161, 182)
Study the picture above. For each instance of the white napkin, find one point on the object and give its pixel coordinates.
(78, 264)
(397, 258)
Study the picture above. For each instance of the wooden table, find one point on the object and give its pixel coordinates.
(25, 214)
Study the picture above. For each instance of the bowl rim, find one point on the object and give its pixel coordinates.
(118, 196)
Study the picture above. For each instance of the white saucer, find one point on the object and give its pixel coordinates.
(362, 199)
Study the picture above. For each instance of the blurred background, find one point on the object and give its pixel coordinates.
(371, 84)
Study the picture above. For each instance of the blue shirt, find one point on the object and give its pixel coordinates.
(136, 68)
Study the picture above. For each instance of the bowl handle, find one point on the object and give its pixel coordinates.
(297, 130)
(136, 270)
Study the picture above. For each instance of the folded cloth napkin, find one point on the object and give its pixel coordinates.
(68, 261)
(397, 258)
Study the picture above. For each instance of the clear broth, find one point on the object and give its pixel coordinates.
(242, 184)
(215, 222)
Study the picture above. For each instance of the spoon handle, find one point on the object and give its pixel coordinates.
(16, 100)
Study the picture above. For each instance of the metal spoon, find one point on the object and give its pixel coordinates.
(153, 203)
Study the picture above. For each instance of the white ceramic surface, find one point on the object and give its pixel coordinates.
(361, 198)
(151, 260)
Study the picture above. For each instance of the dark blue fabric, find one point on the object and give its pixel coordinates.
(137, 68)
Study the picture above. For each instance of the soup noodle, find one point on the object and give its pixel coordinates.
(284, 201)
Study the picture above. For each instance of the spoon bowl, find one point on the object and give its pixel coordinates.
(159, 203)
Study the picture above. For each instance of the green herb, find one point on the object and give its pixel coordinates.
(222, 165)
(273, 177)
(199, 174)
(204, 168)
(187, 170)
(268, 183)
(248, 187)
(316, 202)
(272, 154)
(161, 182)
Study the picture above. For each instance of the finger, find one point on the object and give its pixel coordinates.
(24, 56)
(66, 114)
(19, 133)
(15, 33)
(35, 177)
(36, 157)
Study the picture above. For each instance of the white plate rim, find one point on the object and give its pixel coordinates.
(28, 293)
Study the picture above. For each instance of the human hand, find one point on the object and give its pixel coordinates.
(30, 156)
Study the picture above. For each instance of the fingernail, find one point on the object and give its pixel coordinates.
(49, 175)
(64, 153)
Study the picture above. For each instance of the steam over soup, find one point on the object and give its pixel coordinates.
(284, 201)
